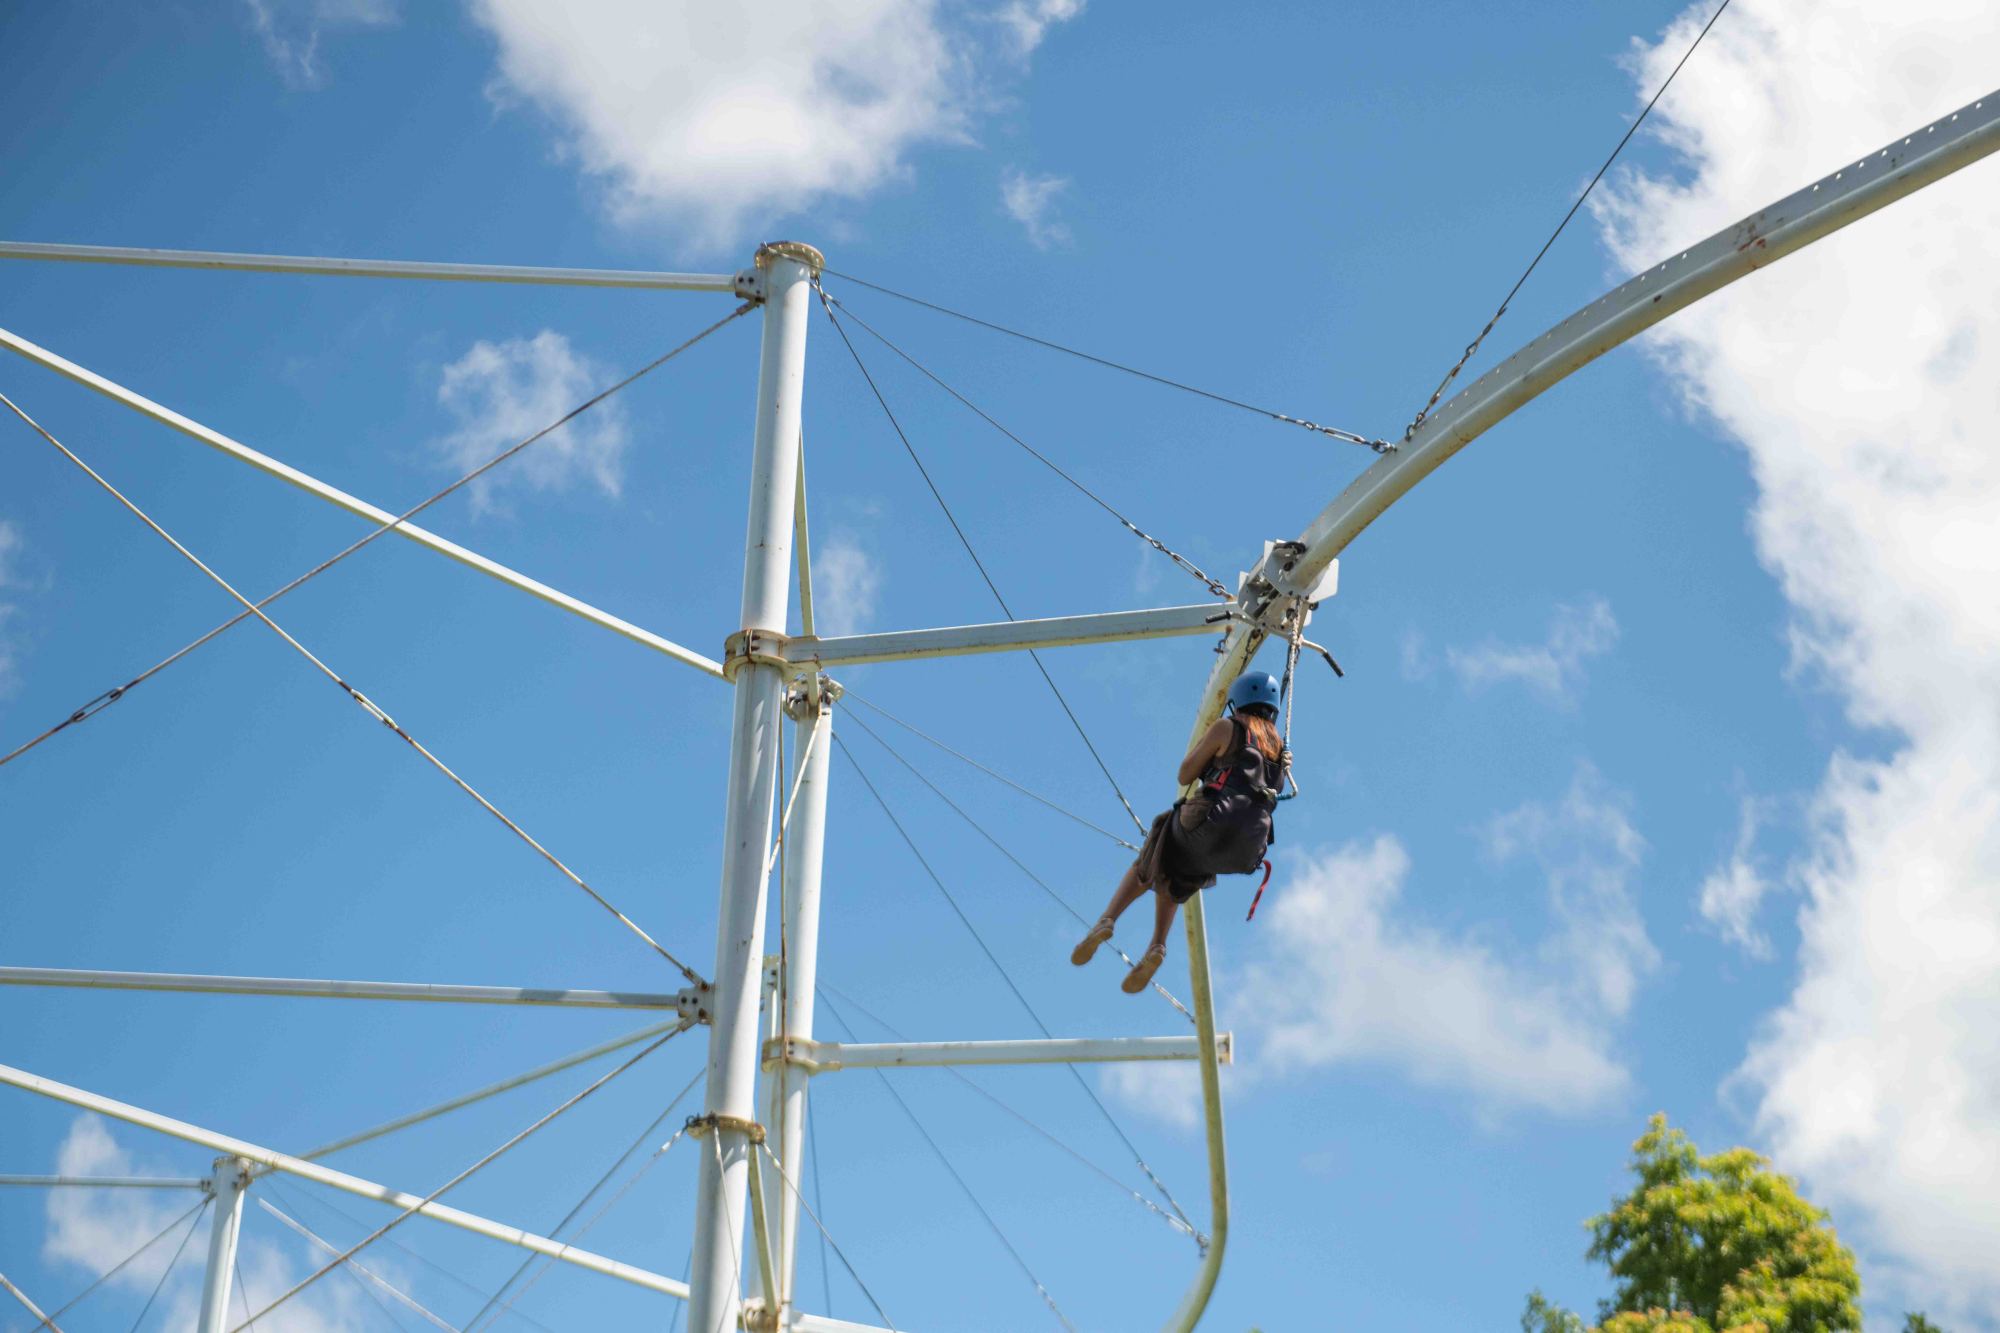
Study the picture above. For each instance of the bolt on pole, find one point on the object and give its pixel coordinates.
(758, 672)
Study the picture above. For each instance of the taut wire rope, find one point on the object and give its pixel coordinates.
(364, 1278)
(417, 1207)
(168, 1271)
(963, 1184)
(1030, 793)
(977, 563)
(367, 705)
(556, 1232)
(1020, 865)
(1472, 348)
(49, 1320)
(1019, 994)
(826, 1236)
(819, 1192)
(1214, 586)
(111, 696)
(26, 1304)
(1023, 1117)
(1379, 446)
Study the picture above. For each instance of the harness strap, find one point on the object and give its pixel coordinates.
(1258, 896)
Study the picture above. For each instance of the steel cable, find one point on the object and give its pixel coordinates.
(112, 696)
(1472, 348)
(367, 705)
(1379, 446)
(49, 1320)
(977, 563)
(168, 1271)
(827, 1236)
(1019, 995)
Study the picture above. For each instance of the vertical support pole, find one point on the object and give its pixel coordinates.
(805, 851)
(719, 1249)
(227, 1185)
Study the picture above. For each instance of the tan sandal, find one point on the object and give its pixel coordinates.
(1142, 971)
(1099, 933)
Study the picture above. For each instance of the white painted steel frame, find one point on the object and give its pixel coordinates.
(333, 495)
(197, 983)
(1918, 159)
(105, 1182)
(825, 1057)
(1004, 636)
(226, 1187)
(372, 268)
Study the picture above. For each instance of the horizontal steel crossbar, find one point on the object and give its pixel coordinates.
(1004, 636)
(339, 990)
(372, 268)
(822, 1057)
(104, 1182)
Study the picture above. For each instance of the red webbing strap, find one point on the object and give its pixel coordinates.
(1258, 896)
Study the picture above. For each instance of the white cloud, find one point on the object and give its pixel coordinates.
(1345, 971)
(846, 583)
(1555, 666)
(1028, 21)
(95, 1229)
(291, 31)
(1169, 1092)
(1734, 891)
(1858, 378)
(1030, 201)
(714, 118)
(500, 393)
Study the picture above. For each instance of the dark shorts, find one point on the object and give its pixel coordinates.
(1163, 861)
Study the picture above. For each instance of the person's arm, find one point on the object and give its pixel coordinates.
(1209, 748)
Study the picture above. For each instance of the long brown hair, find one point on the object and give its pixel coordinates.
(1262, 731)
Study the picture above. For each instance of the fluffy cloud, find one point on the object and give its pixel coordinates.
(1858, 376)
(1030, 201)
(1554, 667)
(291, 31)
(500, 393)
(1346, 972)
(846, 583)
(95, 1229)
(1028, 21)
(1733, 892)
(713, 117)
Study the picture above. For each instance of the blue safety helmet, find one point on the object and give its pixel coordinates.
(1254, 687)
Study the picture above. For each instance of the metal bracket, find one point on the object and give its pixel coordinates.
(797, 1052)
(699, 1125)
(750, 284)
(809, 693)
(693, 1001)
(753, 645)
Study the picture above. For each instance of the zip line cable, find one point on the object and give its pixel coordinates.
(407, 1213)
(168, 1272)
(978, 564)
(49, 1320)
(271, 1184)
(366, 704)
(1214, 586)
(1379, 446)
(1023, 1117)
(1000, 847)
(1472, 348)
(939, 1152)
(826, 1235)
(581, 1203)
(112, 696)
(1025, 791)
(1019, 995)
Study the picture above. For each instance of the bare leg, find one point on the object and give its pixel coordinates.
(1128, 892)
(1164, 911)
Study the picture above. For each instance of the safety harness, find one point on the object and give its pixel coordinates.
(1294, 641)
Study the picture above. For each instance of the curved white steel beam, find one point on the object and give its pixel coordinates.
(1918, 159)
(1848, 195)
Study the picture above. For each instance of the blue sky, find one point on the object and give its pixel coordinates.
(1661, 778)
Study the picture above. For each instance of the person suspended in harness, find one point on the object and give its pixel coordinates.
(1223, 828)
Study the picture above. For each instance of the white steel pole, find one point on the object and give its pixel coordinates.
(756, 664)
(805, 848)
(232, 1174)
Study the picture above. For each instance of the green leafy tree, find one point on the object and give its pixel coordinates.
(1718, 1244)
(1917, 1323)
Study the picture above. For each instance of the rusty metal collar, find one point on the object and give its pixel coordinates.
(752, 645)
